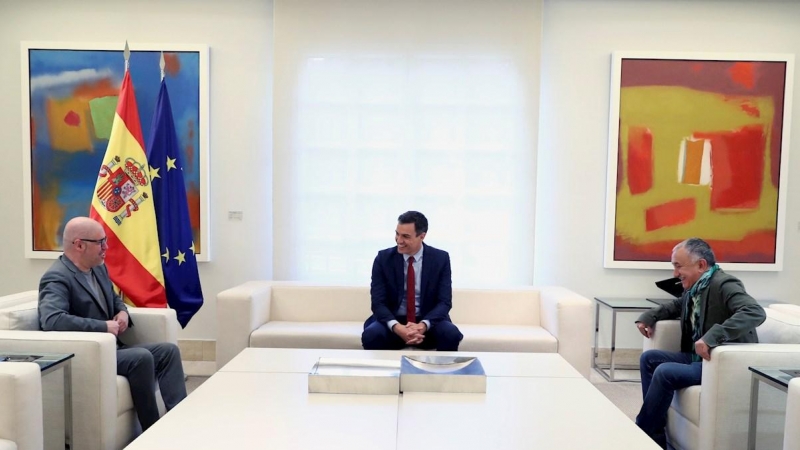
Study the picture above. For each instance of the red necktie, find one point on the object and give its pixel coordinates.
(411, 307)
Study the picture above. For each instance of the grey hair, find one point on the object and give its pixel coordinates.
(698, 249)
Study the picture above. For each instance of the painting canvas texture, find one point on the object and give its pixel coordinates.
(73, 96)
(699, 154)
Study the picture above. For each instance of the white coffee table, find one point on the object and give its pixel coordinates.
(260, 400)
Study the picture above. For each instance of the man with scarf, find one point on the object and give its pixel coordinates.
(714, 309)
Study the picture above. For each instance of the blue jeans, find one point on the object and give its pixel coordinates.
(663, 373)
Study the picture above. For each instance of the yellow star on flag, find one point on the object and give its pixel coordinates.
(166, 255)
(170, 163)
(154, 172)
(194, 252)
(181, 257)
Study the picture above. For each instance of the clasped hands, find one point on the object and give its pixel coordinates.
(411, 333)
(118, 324)
(700, 347)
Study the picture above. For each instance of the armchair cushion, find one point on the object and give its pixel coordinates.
(282, 334)
(20, 313)
(781, 327)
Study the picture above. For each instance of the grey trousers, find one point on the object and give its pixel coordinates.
(143, 366)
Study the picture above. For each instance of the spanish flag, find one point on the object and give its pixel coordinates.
(123, 204)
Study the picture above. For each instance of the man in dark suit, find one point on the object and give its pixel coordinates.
(76, 294)
(411, 293)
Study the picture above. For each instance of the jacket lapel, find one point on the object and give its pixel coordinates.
(398, 275)
(427, 269)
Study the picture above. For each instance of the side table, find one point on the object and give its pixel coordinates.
(50, 362)
(776, 377)
(616, 305)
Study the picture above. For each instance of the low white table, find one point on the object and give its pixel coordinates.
(260, 400)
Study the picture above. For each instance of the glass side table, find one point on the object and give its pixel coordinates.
(50, 362)
(774, 376)
(617, 305)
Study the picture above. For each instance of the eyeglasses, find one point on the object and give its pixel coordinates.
(100, 242)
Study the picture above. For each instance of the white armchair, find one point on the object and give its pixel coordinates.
(103, 417)
(21, 407)
(718, 419)
(791, 438)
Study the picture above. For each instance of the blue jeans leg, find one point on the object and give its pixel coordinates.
(663, 373)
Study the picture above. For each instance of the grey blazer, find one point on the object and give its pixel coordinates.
(66, 302)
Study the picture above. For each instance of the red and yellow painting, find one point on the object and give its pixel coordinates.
(699, 149)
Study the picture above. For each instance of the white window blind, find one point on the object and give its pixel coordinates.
(382, 107)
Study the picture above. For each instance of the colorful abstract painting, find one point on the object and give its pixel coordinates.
(71, 99)
(698, 148)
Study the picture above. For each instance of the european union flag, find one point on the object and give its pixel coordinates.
(181, 279)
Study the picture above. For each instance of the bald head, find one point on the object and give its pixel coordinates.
(80, 227)
(84, 242)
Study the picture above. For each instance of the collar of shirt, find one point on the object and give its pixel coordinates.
(417, 256)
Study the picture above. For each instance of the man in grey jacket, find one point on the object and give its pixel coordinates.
(713, 310)
(76, 294)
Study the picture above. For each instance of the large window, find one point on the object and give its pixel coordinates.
(363, 135)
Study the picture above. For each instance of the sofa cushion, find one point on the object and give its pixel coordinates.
(21, 316)
(506, 338)
(319, 304)
(20, 297)
(687, 403)
(779, 328)
(787, 308)
(278, 334)
(495, 307)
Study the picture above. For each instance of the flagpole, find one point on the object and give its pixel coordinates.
(127, 54)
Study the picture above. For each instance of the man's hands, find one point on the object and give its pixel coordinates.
(412, 333)
(702, 349)
(119, 324)
(644, 329)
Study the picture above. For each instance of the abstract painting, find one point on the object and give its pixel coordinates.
(69, 100)
(698, 147)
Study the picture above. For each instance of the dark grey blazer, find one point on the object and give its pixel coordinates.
(66, 302)
(728, 313)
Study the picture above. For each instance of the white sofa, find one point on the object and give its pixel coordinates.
(298, 315)
(715, 414)
(21, 407)
(103, 417)
(791, 438)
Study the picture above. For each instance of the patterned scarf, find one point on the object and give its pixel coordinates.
(695, 293)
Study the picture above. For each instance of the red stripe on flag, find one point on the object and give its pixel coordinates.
(127, 109)
(125, 270)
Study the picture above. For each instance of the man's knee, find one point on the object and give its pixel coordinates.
(135, 361)
(373, 337)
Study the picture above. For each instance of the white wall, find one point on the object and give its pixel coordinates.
(579, 37)
(239, 34)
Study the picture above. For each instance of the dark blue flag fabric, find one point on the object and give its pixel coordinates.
(181, 279)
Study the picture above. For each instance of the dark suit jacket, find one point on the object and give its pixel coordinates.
(66, 302)
(388, 284)
(727, 313)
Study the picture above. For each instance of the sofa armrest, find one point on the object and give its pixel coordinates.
(725, 395)
(151, 325)
(94, 379)
(240, 310)
(568, 317)
(791, 437)
(666, 336)
(21, 420)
